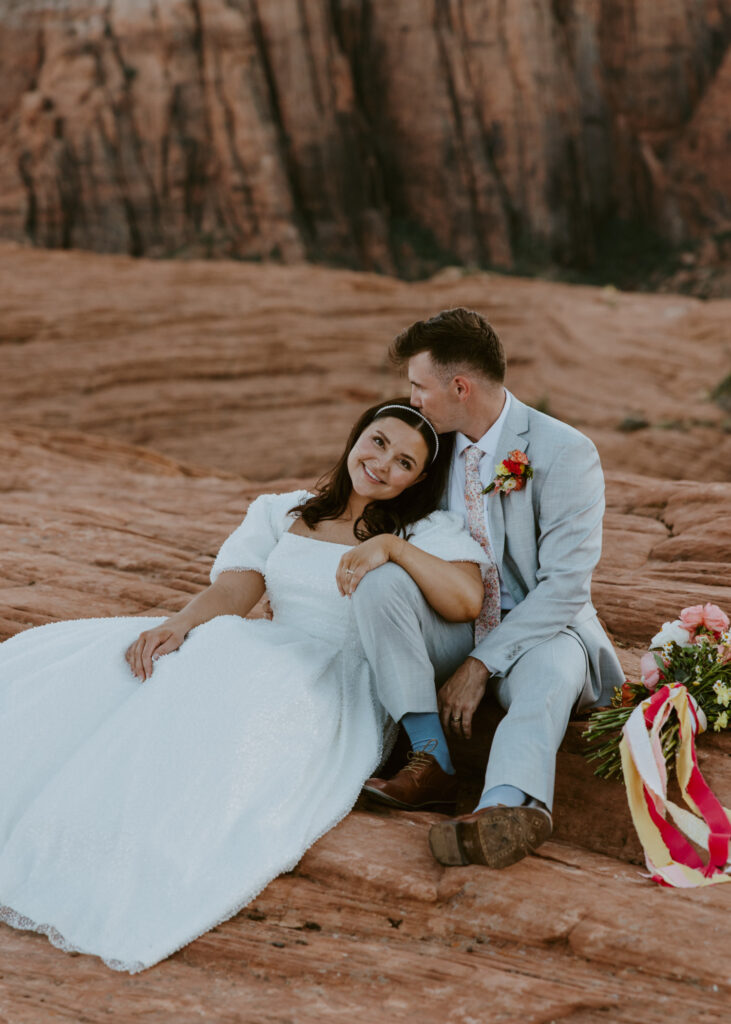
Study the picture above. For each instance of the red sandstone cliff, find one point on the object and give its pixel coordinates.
(386, 136)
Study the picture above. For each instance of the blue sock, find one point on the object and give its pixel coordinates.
(424, 728)
(509, 796)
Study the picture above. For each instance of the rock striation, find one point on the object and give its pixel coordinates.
(199, 359)
(385, 137)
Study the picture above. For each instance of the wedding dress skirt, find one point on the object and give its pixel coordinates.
(136, 816)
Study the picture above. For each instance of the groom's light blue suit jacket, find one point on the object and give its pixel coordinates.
(547, 540)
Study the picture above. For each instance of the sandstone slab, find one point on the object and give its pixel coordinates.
(202, 361)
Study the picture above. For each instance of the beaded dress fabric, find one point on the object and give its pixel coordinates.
(489, 616)
(136, 816)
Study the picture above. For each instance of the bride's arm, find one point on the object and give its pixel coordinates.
(233, 593)
(453, 589)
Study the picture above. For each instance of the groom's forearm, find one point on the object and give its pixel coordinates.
(539, 617)
(552, 606)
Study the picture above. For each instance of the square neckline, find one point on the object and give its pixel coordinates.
(334, 543)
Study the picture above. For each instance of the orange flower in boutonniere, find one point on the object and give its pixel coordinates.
(511, 474)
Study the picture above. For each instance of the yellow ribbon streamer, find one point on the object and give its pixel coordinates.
(645, 778)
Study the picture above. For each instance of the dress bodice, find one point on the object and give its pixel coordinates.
(300, 580)
(300, 570)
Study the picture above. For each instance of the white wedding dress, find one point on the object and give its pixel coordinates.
(136, 816)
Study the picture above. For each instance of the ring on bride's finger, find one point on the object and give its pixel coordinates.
(350, 572)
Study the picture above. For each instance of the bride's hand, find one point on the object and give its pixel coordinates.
(149, 645)
(362, 559)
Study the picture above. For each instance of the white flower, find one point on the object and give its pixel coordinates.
(723, 693)
(721, 722)
(671, 632)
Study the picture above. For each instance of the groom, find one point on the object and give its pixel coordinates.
(537, 645)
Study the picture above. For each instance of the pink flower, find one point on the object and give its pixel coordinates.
(651, 674)
(708, 616)
(715, 619)
(692, 617)
(724, 654)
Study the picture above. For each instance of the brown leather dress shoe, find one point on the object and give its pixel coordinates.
(495, 836)
(421, 783)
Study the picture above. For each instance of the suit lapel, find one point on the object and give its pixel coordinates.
(511, 436)
(444, 499)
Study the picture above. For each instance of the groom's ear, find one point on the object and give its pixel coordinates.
(462, 387)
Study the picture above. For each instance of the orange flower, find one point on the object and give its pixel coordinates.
(518, 456)
(628, 696)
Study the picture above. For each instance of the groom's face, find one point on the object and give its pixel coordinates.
(433, 395)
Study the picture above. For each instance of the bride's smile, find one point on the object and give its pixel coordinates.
(369, 474)
(387, 458)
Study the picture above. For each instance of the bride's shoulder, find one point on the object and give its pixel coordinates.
(444, 534)
(439, 521)
(277, 506)
(253, 540)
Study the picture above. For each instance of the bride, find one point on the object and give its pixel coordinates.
(146, 800)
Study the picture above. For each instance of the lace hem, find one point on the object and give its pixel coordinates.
(17, 920)
(22, 923)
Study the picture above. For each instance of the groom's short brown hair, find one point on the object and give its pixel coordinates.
(454, 337)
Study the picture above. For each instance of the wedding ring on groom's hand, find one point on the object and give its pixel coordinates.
(456, 718)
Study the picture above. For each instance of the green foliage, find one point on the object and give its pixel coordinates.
(721, 394)
(631, 423)
(542, 404)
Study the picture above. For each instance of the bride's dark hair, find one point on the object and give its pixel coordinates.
(333, 490)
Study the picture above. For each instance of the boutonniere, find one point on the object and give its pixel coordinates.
(511, 474)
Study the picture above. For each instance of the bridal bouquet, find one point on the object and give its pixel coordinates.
(693, 651)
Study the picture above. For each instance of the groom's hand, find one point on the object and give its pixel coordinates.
(459, 697)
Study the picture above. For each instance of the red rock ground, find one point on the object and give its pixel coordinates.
(240, 378)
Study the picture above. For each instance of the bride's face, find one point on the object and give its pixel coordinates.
(388, 457)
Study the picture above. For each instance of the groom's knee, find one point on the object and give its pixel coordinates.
(551, 674)
(385, 590)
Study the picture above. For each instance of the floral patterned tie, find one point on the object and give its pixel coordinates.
(489, 616)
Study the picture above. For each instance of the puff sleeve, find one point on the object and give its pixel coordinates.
(444, 535)
(251, 543)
